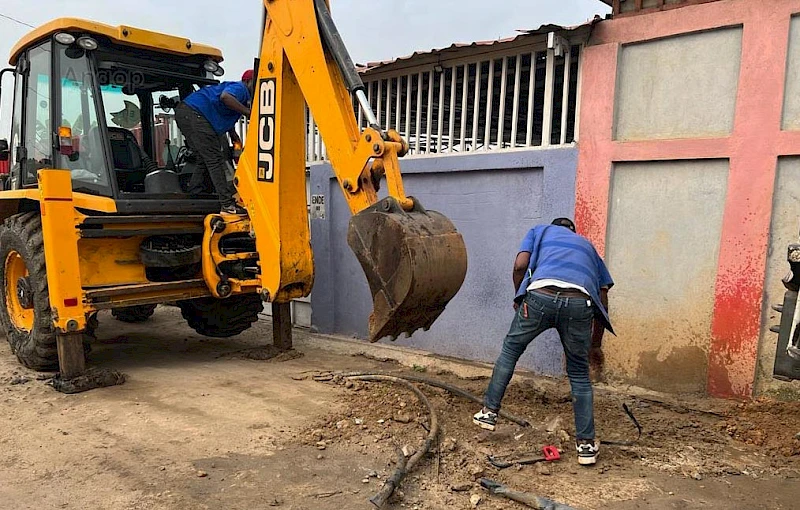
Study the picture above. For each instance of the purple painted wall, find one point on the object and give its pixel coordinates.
(493, 199)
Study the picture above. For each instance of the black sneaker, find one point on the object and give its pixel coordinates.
(587, 451)
(234, 209)
(485, 420)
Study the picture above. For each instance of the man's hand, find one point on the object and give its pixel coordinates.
(234, 137)
(598, 330)
(237, 145)
(597, 361)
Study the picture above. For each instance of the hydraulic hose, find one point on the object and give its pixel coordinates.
(403, 466)
(333, 42)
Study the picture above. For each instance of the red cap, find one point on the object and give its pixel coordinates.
(248, 75)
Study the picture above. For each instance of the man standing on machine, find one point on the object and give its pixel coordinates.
(203, 118)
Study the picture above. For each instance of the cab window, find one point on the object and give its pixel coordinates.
(123, 110)
(38, 140)
(16, 158)
(168, 140)
(85, 155)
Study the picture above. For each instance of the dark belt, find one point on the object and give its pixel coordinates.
(567, 293)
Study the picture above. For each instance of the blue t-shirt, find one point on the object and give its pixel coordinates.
(207, 101)
(557, 253)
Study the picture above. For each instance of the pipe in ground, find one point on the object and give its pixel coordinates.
(403, 466)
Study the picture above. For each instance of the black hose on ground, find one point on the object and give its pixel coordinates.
(393, 482)
(636, 424)
(525, 498)
(455, 390)
(403, 466)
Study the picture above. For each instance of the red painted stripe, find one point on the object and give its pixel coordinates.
(787, 143)
(594, 165)
(660, 150)
(736, 328)
(696, 18)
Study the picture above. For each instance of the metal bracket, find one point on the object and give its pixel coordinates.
(787, 368)
(558, 44)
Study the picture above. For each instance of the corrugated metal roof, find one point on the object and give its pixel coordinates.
(544, 29)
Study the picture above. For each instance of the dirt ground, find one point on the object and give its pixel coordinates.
(205, 424)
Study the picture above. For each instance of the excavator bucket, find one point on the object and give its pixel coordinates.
(415, 262)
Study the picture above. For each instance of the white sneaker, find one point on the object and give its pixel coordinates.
(485, 420)
(587, 451)
(234, 209)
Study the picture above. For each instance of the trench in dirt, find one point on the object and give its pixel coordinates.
(691, 455)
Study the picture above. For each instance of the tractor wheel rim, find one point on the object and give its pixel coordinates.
(21, 314)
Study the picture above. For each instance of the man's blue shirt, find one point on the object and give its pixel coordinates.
(557, 253)
(208, 102)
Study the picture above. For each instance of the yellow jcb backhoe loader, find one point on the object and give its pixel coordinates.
(96, 214)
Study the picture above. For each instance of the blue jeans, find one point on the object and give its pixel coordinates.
(572, 317)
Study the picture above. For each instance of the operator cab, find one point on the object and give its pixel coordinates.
(99, 101)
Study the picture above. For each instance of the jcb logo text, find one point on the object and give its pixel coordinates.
(266, 130)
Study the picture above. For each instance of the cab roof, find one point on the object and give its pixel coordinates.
(124, 35)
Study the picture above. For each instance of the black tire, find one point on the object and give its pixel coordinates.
(35, 348)
(222, 318)
(134, 314)
(170, 251)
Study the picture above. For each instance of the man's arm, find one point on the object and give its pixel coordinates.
(231, 102)
(598, 329)
(523, 258)
(520, 267)
(605, 282)
(596, 357)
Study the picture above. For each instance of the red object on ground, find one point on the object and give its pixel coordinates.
(551, 453)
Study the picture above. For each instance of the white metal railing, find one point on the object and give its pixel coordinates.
(501, 102)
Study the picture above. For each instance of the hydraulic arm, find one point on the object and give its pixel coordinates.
(414, 260)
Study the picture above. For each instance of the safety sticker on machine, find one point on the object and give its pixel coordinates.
(317, 207)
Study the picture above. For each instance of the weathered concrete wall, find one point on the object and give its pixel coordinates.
(783, 231)
(753, 146)
(493, 199)
(662, 250)
(679, 87)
